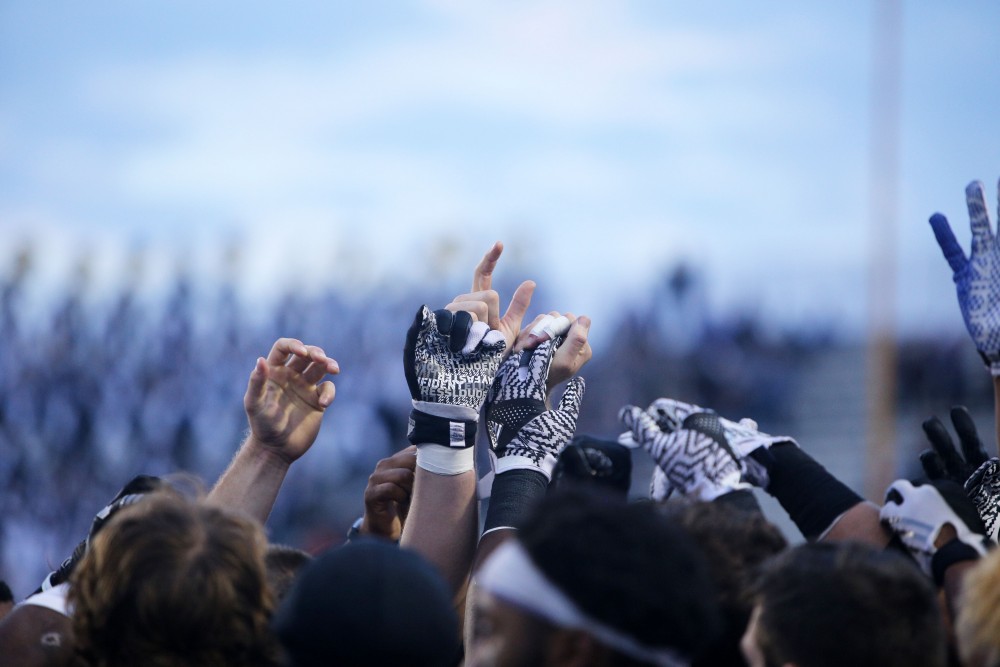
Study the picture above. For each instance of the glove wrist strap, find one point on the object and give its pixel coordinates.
(426, 429)
(951, 553)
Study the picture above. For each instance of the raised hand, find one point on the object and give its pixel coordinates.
(943, 460)
(695, 457)
(286, 397)
(748, 443)
(523, 433)
(977, 278)
(926, 516)
(571, 355)
(983, 488)
(485, 302)
(388, 494)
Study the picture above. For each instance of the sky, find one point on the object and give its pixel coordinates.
(383, 145)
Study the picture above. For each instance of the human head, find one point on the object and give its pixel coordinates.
(735, 543)
(592, 579)
(589, 460)
(368, 603)
(977, 629)
(283, 563)
(834, 604)
(173, 581)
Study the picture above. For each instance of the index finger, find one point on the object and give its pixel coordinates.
(482, 277)
(283, 348)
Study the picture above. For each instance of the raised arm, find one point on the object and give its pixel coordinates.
(977, 281)
(708, 457)
(457, 351)
(285, 401)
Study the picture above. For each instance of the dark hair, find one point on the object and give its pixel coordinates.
(369, 603)
(626, 566)
(736, 543)
(282, 564)
(834, 604)
(5, 593)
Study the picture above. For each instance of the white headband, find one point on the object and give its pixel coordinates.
(510, 575)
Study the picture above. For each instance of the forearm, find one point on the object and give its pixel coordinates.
(251, 482)
(819, 503)
(443, 522)
(860, 523)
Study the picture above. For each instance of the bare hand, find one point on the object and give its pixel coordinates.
(570, 357)
(484, 303)
(387, 496)
(285, 399)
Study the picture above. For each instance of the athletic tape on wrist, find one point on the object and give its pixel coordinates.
(429, 429)
(510, 575)
(514, 494)
(442, 460)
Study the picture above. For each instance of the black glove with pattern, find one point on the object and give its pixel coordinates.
(450, 362)
(523, 433)
(983, 488)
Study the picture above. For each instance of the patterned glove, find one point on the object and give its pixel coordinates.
(943, 460)
(523, 434)
(696, 457)
(750, 445)
(916, 514)
(983, 487)
(449, 363)
(977, 278)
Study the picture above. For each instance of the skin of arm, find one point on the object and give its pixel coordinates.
(861, 523)
(443, 520)
(285, 402)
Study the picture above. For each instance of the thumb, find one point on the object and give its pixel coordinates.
(572, 398)
(644, 427)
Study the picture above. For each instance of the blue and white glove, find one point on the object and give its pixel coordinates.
(523, 433)
(977, 279)
(450, 362)
(696, 457)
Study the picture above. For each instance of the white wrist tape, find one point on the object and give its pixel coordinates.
(442, 460)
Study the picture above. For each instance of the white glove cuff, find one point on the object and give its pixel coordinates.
(515, 462)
